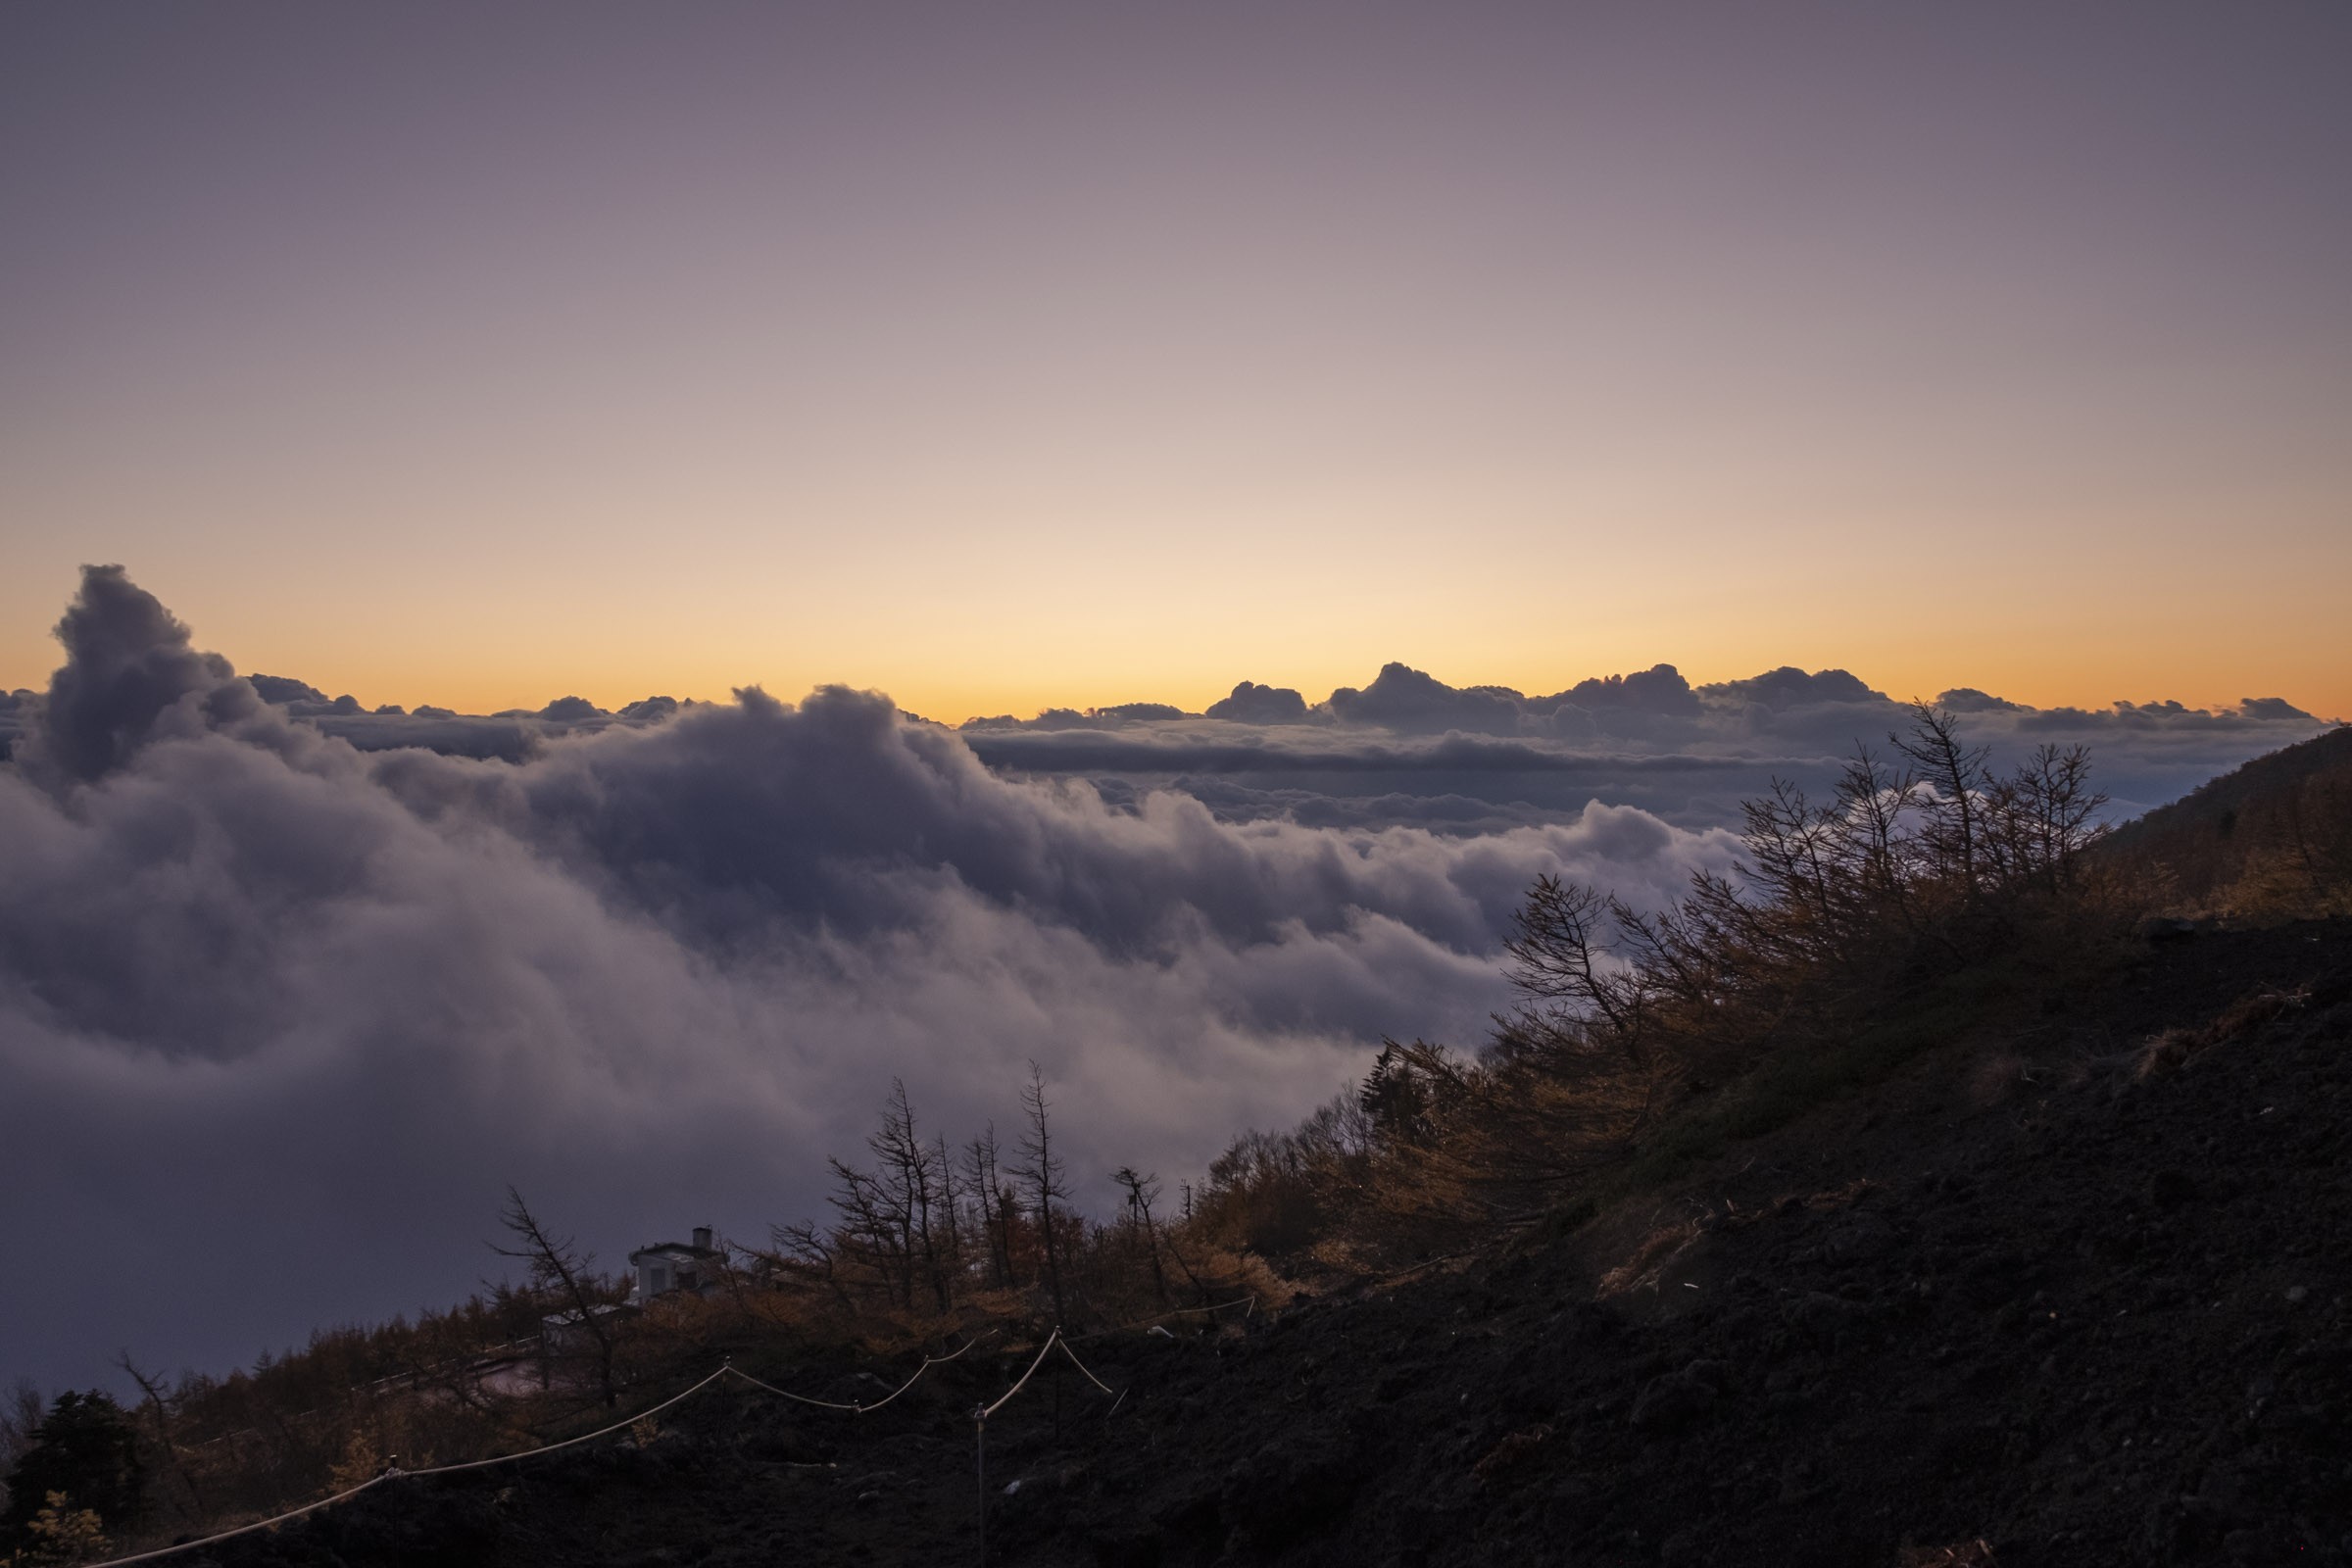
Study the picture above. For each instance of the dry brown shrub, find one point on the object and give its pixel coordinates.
(1228, 1275)
(1641, 1269)
(2166, 1053)
(1514, 1134)
(1995, 1078)
(365, 1456)
(2176, 1048)
(1837, 1197)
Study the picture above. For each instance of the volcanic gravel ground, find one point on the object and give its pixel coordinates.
(2019, 1298)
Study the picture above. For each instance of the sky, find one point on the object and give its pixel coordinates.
(1014, 356)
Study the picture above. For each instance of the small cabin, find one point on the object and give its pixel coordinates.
(667, 1266)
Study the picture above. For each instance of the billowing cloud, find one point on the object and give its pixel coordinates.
(290, 989)
(1969, 700)
(1249, 702)
(1659, 691)
(280, 1015)
(1410, 703)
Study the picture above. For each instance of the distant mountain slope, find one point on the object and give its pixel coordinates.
(2272, 836)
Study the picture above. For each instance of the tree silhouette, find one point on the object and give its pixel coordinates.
(1042, 1171)
(85, 1450)
(561, 1270)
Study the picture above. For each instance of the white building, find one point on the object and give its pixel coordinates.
(667, 1266)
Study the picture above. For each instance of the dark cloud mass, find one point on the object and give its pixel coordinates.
(1410, 703)
(281, 978)
(1790, 687)
(1659, 691)
(1252, 703)
(129, 673)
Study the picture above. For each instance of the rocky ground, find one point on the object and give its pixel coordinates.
(2021, 1304)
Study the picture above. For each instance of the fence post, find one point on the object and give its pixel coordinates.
(980, 1472)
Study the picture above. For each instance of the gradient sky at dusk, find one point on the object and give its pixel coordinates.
(1003, 356)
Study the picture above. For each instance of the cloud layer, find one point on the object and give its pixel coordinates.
(280, 1015)
(290, 989)
(1408, 748)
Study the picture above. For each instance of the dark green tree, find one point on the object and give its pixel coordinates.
(86, 1448)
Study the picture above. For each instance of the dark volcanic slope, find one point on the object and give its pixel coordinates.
(2206, 839)
(2266, 778)
(2019, 1296)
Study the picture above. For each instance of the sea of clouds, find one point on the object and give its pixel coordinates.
(290, 991)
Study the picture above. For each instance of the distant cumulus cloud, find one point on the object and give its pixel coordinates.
(1411, 703)
(130, 676)
(267, 994)
(1409, 749)
(1379, 755)
(1659, 691)
(1969, 700)
(1790, 687)
(1252, 703)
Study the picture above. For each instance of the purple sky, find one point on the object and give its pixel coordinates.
(1012, 354)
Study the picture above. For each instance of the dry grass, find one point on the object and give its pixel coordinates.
(1838, 1198)
(1642, 1268)
(2176, 1049)
(1995, 1078)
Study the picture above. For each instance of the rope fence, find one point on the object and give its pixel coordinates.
(1081, 1365)
(981, 1413)
(393, 1474)
(929, 1361)
(1156, 1318)
(1042, 1350)
(1057, 1340)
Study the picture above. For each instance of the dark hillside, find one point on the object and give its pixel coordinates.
(2272, 837)
(2048, 1287)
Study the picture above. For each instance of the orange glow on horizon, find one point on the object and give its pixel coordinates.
(986, 364)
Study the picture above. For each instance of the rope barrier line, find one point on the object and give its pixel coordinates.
(929, 1361)
(1081, 1367)
(1042, 1350)
(981, 1413)
(245, 1530)
(395, 1474)
(551, 1448)
(980, 1418)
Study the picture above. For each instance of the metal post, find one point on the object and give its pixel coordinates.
(980, 1473)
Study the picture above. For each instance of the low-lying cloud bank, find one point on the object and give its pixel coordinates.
(1410, 749)
(280, 1015)
(289, 991)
